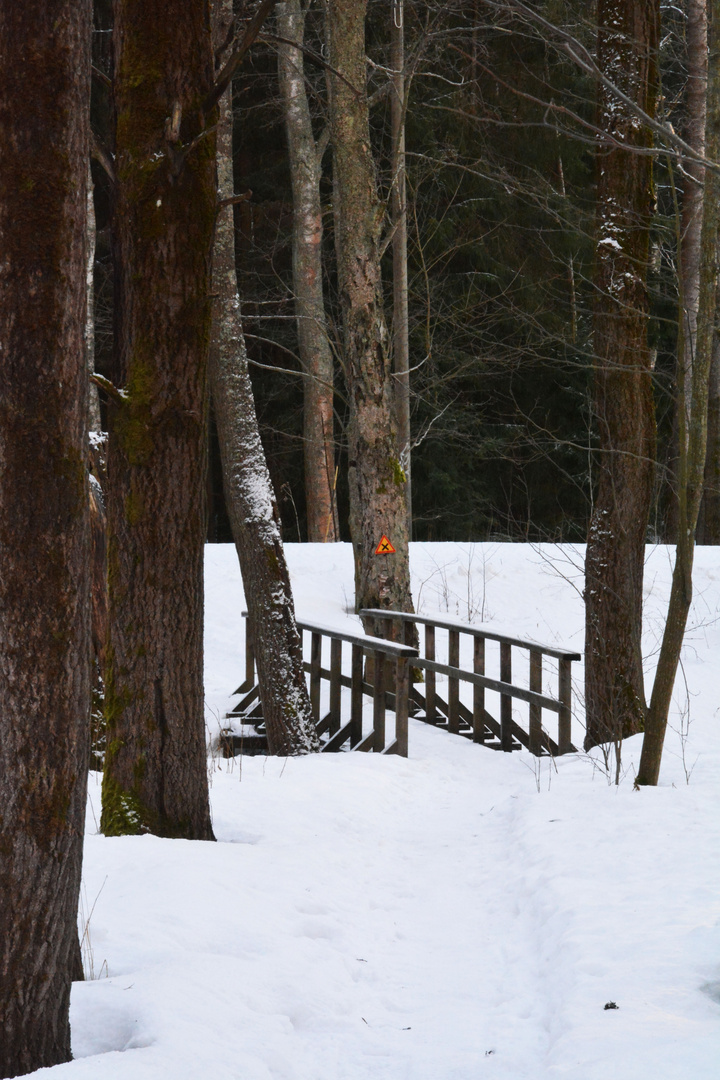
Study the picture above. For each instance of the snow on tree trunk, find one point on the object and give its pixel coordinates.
(377, 482)
(623, 399)
(249, 495)
(155, 776)
(44, 524)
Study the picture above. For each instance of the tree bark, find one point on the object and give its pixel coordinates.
(709, 527)
(305, 156)
(623, 400)
(94, 422)
(377, 482)
(44, 535)
(693, 445)
(689, 242)
(401, 340)
(249, 495)
(155, 776)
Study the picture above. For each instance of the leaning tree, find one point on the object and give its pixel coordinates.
(252, 506)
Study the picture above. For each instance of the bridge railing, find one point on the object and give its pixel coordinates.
(378, 670)
(476, 722)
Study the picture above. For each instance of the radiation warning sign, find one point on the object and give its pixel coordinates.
(384, 547)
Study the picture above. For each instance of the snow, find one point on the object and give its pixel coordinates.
(458, 915)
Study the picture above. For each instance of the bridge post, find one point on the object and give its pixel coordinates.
(506, 699)
(335, 686)
(453, 684)
(315, 664)
(402, 686)
(565, 745)
(430, 706)
(535, 732)
(478, 691)
(356, 695)
(379, 702)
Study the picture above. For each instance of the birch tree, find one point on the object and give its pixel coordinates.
(44, 533)
(249, 494)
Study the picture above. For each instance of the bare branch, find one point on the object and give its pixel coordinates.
(238, 54)
(102, 156)
(101, 77)
(232, 200)
(584, 60)
(118, 396)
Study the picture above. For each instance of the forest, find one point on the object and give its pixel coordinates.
(364, 272)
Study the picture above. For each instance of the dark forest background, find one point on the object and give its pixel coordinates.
(501, 194)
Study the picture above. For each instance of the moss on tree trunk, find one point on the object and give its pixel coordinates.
(377, 482)
(155, 770)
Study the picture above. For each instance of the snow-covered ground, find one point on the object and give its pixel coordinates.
(457, 915)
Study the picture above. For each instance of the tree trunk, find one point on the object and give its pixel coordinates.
(305, 157)
(249, 495)
(692, 447)
(44, 535)
(689, 243)
(709, 529)
(623, 400)
(377, 482)
(94, 422)
(401, 342)
(155, 776)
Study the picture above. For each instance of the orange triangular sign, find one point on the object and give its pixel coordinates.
(384, 547)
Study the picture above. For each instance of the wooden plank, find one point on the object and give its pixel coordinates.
(516, 732)
(247, 700)
(478, 691)
(565, 745)
(249, 654)
(366, 744)
(248, 716)
(506, 698)
(402, 684)
(315, 661)
(379, 701)
(453, 683)
(340, 737)
(393, 749)
(535, 726)
(356, 695)
(391, 648)
(324, 724)
(490, 722)
(430, 684)
(335, 672)
(474, 628)
(490, 684)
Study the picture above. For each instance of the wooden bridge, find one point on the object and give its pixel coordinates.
(369, 678)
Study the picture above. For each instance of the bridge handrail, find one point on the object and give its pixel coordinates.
(476, 629)
(392, 648)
